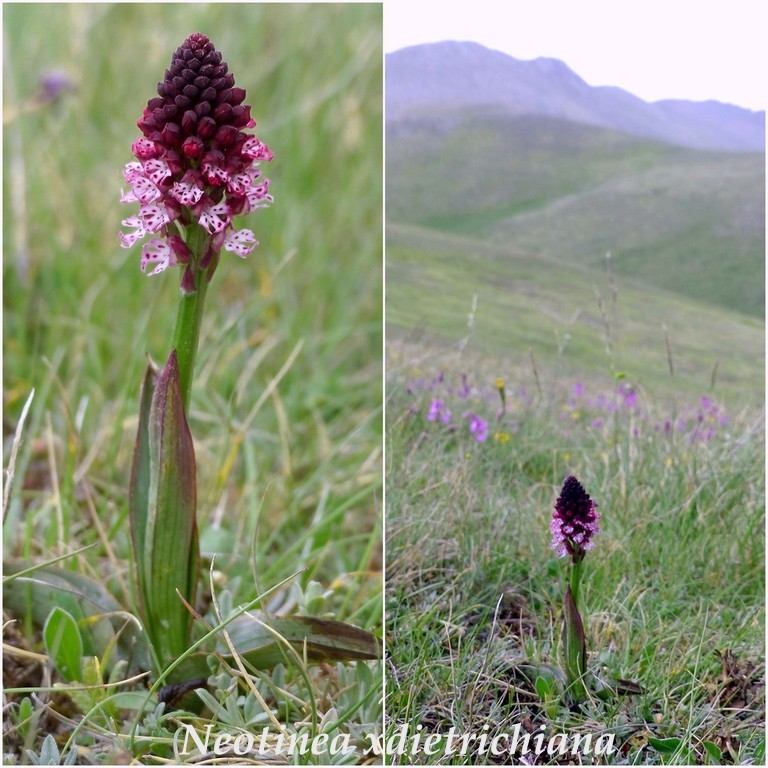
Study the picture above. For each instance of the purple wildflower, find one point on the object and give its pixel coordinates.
(464, 390)
(194, 164)
(478, 427)
(574, 521)
(713, 411)
(630, 397)
(53, 85)
(439, 411)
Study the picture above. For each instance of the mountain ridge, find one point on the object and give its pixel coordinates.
(455, 75)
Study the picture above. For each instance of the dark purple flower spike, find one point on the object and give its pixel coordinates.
(195, 163)
(574, 521)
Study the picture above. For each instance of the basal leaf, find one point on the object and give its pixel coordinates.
(88, 601)
(138, 495)
(544, 688)
(49, 752)
(169, 541)
(63, 644)
(264, 642)
(715, 753)
(665, 746)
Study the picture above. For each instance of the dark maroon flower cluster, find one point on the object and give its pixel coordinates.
(574, 521)
(194, 161)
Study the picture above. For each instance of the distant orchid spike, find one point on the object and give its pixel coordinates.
(195, 164)
(439, 411)
(53, 85)
(574, 521)
(478, 426)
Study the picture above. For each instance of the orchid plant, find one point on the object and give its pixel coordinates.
(196, 169)
(574, 523)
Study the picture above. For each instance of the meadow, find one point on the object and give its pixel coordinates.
(673, 588)
(526, 343)
(286, 406)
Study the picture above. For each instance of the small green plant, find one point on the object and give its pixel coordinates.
(49, 754)
(64, 644)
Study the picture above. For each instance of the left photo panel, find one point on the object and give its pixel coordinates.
(192, 396)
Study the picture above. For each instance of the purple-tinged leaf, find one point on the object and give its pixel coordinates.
(575, 648)
(264, 641)
(169, 541)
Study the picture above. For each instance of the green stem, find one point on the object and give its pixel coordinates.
(575, 583)
(575, 636)
(186, 334)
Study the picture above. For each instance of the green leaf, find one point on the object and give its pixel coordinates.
(88, 601)
(209, 700)
(92, 674)
(544, 688)
(138, 495)
(575, 648)
(49, 752)
(714, 752)
(758, 752)
(26, 711)
(167, 548)
(665, 746)
(63, 644)
(265, 642)
(130, 700)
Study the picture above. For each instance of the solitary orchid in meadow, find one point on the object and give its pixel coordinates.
(196, 169)
(574, 523)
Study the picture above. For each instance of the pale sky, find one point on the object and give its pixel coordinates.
(655, 49)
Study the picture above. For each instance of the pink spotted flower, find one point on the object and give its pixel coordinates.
(574, 521)
(194, 165)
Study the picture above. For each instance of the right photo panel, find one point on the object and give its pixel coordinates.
(575, 465)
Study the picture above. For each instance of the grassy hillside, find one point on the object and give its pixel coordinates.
(679, 219)
(554, 308)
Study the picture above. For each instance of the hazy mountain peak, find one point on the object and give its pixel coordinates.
(452, 75)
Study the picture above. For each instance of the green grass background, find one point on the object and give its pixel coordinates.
(297, 486)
